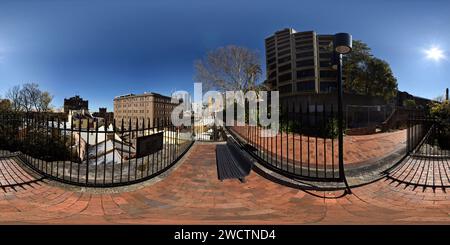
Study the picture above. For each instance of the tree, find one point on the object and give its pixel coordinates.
(29, 95)
(409, 103)
(5, 105)
(368, 75)
(44, 101)
(29, 98)
(14, 97)
(229, 68)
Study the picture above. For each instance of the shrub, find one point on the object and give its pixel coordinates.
(441, 112)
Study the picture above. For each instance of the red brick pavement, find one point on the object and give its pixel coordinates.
(357, 148)
(193, 194)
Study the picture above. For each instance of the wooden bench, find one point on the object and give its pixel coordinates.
(231, 163)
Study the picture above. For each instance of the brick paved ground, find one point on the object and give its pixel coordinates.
(193, 194)
(357, 148)
(14, 175)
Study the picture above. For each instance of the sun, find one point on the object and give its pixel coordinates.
(435, 53)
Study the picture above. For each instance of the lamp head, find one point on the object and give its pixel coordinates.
(342, 43)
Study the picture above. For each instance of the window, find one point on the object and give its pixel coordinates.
(325, 55)
(331, 74)
(284, 52)
(283, 40)
(325, 64)
(305, 54)
(305, 73)
(284, 68)
(305, 47)
(328, 86)
(306, 86)
(325, 43)
(285, 59)
(283, 47)
(301, 42)
(286, 88)
(285, 77)
(305, 63)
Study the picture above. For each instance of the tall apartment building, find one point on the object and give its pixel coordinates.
(147, 107)
(299, 63)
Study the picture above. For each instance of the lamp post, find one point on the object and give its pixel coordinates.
(342, 45)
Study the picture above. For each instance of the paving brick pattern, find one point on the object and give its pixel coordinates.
(357, 148)
(14, 175)
(193, 194)
(423, 172)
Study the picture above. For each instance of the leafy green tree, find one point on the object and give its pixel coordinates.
(409, 103)
(441, 111)
(368, 75)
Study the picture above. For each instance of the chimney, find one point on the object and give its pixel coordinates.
(446, 94)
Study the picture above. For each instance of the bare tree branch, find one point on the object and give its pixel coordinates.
(229, 68)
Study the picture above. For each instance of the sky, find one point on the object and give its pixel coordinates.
(102, 49)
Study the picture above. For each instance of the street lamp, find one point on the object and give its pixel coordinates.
(342, 45)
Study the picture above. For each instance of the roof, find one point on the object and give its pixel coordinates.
(145, 94)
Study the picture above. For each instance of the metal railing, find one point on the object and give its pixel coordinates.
(306, 147)
(89, 152)
(427, 160)
(427, 137)
(205, 129)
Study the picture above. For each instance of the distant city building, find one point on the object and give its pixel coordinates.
(103, 113)
(75, 103)
(299, 63)
(150, 108)
(81, 119)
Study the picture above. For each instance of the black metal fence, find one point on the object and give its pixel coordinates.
(427, 161)
(91, 152)
(427, 137)
(206, 129)
(306, 146)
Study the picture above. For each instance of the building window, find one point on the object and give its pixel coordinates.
(305, 54)
(325, 55)
(305, 73)
(331, 74)
(303, 42)
(284, 52)
(305, 63)
(328, 86)
(285, 59)
(284, 68)
(306, 86)
(285, 77)
(305, 47)
(286, 88)
(325, 64)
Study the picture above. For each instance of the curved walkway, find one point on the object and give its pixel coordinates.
(193, 194)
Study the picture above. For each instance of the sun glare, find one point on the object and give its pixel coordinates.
(435, 53)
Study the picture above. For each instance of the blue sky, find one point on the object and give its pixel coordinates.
(101, 49)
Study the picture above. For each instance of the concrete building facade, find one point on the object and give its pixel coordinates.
(148, 108)
(299, 63)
